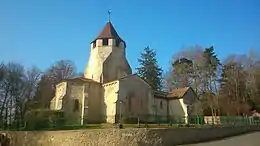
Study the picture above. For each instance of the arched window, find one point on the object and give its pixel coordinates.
(161, 104)
(76, 105)
(129, 104)
(101, 78)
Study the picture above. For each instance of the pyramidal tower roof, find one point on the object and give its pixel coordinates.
(108, 32)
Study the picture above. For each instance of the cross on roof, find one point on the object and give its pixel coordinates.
(109, 15)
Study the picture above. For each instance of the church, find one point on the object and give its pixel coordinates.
(109, 91)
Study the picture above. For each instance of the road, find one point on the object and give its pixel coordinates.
(252, 139)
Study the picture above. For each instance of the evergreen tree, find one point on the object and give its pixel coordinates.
(149, 69)
(210, 66)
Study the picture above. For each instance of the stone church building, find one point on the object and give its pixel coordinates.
(109, 91)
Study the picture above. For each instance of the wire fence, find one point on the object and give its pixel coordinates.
(141, 121)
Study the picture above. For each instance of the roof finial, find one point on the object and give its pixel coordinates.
(109, 15)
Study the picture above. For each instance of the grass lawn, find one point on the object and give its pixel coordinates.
(107, 126)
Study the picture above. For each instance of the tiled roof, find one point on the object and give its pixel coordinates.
(160, 94)
(178, 92)
(174, 94)
(108, 32)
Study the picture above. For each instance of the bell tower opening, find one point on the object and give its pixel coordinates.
(105, 42)
(94, 44)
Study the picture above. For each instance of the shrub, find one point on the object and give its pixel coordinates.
(130, 120)
(44, 119)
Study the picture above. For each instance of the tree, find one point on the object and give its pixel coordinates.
(21, 88)
(256, 97)
(233, 87)
(59, 71)
(12, 93)
(149, 69)
(185, 69)
(182, 69)
(31, 79)
(211, 64)
(253, 83)
(44, 93)
(2, 72)
(210, 67)
(239, 84)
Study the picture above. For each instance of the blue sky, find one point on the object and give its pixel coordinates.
(40, 32)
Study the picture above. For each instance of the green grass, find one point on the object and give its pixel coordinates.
(107, 126)
(125, 126)
(102, 126)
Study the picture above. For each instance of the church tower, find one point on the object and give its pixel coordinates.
(107, 60)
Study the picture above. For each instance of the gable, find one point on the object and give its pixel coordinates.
(189, 97)
(180, 93)
(136, 78)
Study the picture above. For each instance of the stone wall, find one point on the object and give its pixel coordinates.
(71, 112)
(123, 137)
(110, 99)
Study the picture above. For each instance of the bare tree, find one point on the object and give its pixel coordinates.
(12, 89)
(44, 93)
(21, 88)
(233, 85)
(239, 83)
(59, 71)
(31, 80)
(2, 71)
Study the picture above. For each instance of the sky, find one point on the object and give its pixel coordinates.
(41, 32)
